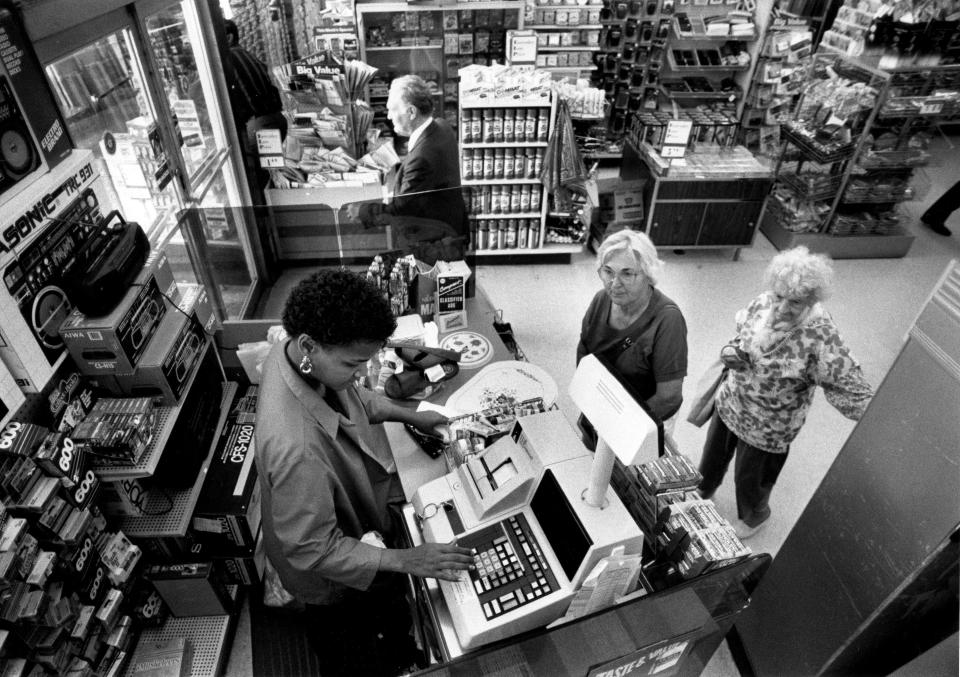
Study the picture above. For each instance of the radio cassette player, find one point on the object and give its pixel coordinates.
(18, 154)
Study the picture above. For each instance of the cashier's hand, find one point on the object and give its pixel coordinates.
(430, 560)
(432, 423)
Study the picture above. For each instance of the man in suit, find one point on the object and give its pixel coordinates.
(427, 182)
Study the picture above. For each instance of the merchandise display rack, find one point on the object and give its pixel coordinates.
(498, 231)
(567, 35)
(816, 216)
(166, 416)
(176, 520)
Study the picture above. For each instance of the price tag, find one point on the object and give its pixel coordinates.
(673, 151)
(677, 133)
(269, 148)
(931, 107)
(521, 47)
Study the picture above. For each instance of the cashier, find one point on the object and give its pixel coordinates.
(328, 479)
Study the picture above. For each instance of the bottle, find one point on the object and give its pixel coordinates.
(495, 200)
(511, 238)
(519, 123)
(537, 164)
(477, 199)
(498, 125)
(467, 195)
(466, 127)
(477, 165)
(533, 237)
(543, 121)
(519, 161)
(467, 164)
(488, 125)
(535, 199)
(492, 241)
(508, 165)
(498, 163)
(525, 199)
(522, 231)
(529, 165)
(505, 199)
(486, 199)
(530, 125)
(501, 233)
(476, 127)
(509, 116)
(483, 234)
(515, 199)
(488, 163)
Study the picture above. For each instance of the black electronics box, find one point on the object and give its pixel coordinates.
(166, 366)
(191, 589)
(228, 510)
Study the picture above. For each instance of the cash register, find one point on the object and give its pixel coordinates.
(520, 506)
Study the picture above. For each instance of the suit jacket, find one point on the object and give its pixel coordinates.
(432, 164)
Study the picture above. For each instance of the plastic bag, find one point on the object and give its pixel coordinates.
(274, 594)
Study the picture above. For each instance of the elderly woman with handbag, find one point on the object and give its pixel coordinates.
(786, 345)
(635, 326)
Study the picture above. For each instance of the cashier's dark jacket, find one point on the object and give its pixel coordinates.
(326, 479)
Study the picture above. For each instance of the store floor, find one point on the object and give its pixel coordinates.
(874, 303)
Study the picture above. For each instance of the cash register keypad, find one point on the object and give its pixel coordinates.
(510, 568)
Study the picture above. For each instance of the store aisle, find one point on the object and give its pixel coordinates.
(874, 302)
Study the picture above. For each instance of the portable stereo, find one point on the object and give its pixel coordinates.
(18, 154)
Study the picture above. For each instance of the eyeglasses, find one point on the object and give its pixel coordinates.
(431, 509)
(608, 274)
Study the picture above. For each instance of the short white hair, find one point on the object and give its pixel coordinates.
(641, 246)
(796, 274)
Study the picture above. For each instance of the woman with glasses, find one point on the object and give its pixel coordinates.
(633, 325)
(786, 345)
(328, 477)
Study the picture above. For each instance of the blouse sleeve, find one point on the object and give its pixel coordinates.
(840, 376)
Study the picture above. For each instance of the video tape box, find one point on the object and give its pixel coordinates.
(192, 589)
(165, 367)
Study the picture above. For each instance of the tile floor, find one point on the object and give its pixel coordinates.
(874, 303)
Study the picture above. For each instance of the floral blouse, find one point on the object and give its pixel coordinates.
(766, 404)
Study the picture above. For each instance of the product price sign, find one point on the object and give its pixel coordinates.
(521, 47)
(675, 138)
(931, 107)
(269, 148)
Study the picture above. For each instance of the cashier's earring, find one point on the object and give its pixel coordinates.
(306, 366)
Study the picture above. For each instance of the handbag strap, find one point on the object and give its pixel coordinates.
(614, 352)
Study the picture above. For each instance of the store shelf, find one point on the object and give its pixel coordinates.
(512, 215)
(537, 102)
(506, 144)
(547, 248)
(554, 27)
(707, 69)
(175, 521)
(685, 96)
(147, 465)
(208, 638)
(556, 69)
(567, 48)
(403, 47)
(702, 37)
(499, 182)
(816, 152)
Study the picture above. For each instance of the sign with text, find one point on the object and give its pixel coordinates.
(675, 138)
(269, 148)
(521, 47)
(661, 659)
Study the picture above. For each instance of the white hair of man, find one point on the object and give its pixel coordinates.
(641, 246)
(414, 91)
(798, 274)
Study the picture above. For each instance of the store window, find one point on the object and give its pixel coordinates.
(101, 94)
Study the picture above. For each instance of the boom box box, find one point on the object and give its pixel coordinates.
(33, 137)
(40, 232)
(11, 396)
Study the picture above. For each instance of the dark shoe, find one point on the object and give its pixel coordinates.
(937, 228)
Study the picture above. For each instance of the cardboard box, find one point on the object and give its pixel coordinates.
(228, 509)
(191, 589)
(49, 220)
(165, 367)
(628, 201)
(451, 300)
(11, 397)
(115, 342)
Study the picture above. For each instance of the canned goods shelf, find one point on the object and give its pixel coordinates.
(501, 182)
(505, 144)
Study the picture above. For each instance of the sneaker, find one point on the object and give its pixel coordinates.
(745, 531)
(937, 228)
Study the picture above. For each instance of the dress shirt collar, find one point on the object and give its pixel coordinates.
(417, 133)
(310, 396)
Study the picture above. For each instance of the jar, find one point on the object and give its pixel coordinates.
(501, 233)
(466, 127)
(488, 125)
(488, 163)
(525, 199)
(498, 163)
(495, 200)
(515, 199)
(476, 127)
(530, 125)
(509, 116)
(508, 164)
(510, 241)
(498, 125)
(467, 164)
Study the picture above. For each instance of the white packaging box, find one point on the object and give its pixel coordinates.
(11, 396)
(32, 352)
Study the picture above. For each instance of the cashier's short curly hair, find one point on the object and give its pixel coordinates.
(798, 274)
(414, 91)
(641, 246)
(337, 308)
